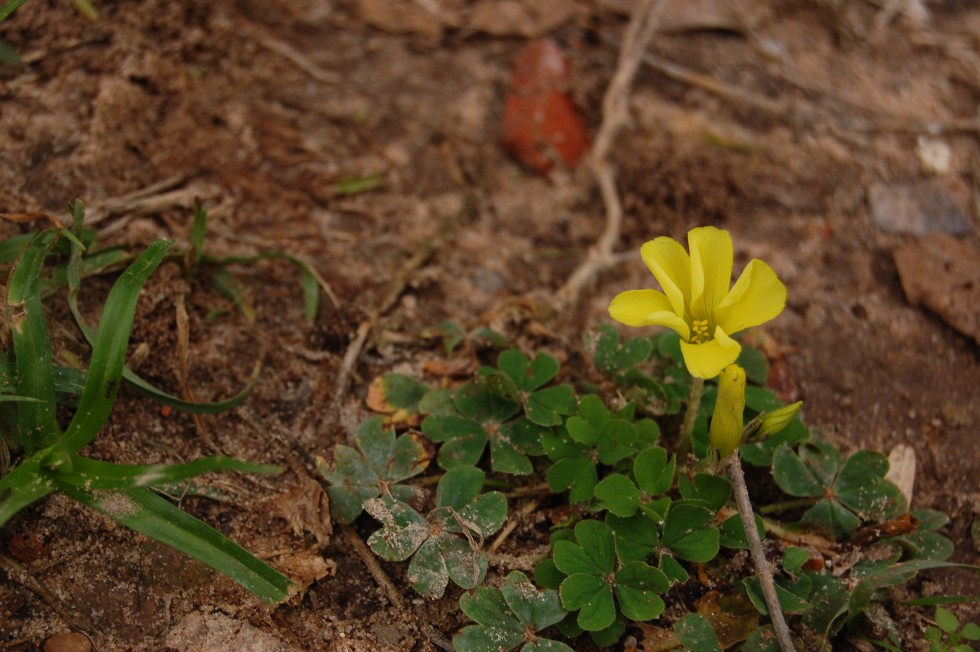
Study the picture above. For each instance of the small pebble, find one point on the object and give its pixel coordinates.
(917, 208)
(68, 642)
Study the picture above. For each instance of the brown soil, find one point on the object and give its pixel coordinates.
(203, 95)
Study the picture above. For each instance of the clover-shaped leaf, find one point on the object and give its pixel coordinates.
(847, 491)
(380, 461)
(635, 537)
(522, 381)
(509, 618)
(711, 491)
(445, 545)
(484, 418)
(593, 578)
(397, 396)
(925, 542)
(612, 358)
(688, 533)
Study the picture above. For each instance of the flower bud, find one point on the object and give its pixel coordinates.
(725, 433)
(773, 422)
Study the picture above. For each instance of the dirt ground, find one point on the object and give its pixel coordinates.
(835, 140)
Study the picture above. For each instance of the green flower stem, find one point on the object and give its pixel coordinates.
(693, 404)
(787, 505)
(762, 567)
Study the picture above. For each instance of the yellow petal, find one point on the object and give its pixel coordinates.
(671, 266)
(725, 433)
(646, 308)
(708, 359)
(757, 297)
(711, 268)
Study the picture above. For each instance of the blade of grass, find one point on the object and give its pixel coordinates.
(147, 513)
(310, 280)
(24, 485)
(73, 277)
(10, 7)
(95, 474)
(109, 349)
(198, 229)
(37, 426)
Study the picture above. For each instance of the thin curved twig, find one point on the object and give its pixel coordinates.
(615, 115)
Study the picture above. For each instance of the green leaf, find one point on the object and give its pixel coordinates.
(712, 490)
(486, 514)
(486, 606)
(790, 602)
(635, 537)
(458, 487)
(403, 530)
(688, 534)
(732, 532)
(615, 441)
(402, 392)
(466, 566)
(971, 632)
(618, 494)
(36, 426)
(593, 554)
(23, 485)
(547, 575)
(476, 401)
(696, 634)
(637, 588)
(109, 349)
(832, 518)
(142, 510)
(794, 558)
(755, 364)
(673, 570)
(653, 472)
(793, 476)
(762, 640)
(592, 598)
(545, 407)
(610, 357)
(539, 609)
(947, 620)
(760, 454)
(860, 596)
(10, 7)
(575, 473)
(427, 572)
(463, 439)
(761, 399)
(861, 486)
(95, 474)
(382, 460)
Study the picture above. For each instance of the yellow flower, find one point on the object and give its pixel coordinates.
(725, 433)
(696, 301)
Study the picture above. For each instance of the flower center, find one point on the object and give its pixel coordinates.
(699, 331)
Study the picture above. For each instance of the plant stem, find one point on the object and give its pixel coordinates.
(786, 505)
(762, 568)
(690, 416)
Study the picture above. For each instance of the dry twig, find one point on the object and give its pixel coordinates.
(615, 115)
(18, 573)
(373, 566)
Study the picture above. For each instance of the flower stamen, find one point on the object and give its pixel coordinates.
(699, 331)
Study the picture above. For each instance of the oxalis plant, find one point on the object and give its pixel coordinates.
(641, 450)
